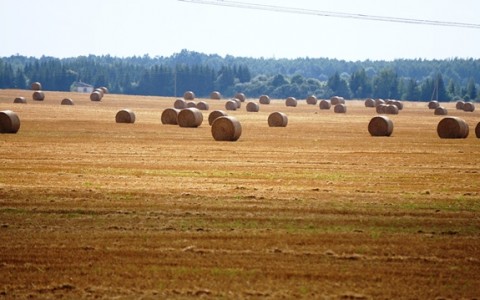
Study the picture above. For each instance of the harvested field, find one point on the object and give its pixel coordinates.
(318, 209)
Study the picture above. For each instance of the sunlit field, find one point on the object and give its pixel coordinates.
(318, 209)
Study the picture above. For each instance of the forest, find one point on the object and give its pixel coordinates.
(404, 79)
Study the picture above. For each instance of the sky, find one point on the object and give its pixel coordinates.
(63, 28)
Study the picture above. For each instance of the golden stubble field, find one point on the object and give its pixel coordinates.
(319, 209)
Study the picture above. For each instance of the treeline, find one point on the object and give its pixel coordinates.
(444, 80)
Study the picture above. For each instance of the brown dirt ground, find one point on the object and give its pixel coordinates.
(319, 209)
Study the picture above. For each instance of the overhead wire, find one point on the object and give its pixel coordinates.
(306, 11)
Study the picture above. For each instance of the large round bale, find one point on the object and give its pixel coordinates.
(36, 86)
(340, 109)
(189, 95)
(226, 128)
(238, 101)
(325, 104)
(240, 96)
(104, 89)
(264, 99)
(96, 96)
(379, 102)
(101, 91)
(381, 109)
(215, 95)
(20, 100)
(370, 102)
(312, 100)
(291, 101)
(215, 114)
(191, 104)
(231, 105)
(433, 104)
(477, 130)
(277, 119)
(391, 109)
(38, 96)
(440, 111)
(190, 117)
(180, 104)
(398, 104)
(125, 116)
(468, 107)
(169, 116)
(202, 105)
(337, 100)
(380, 126)
(252, 107)
(67, 101)
(452, 128)
(9, 122)
(459, 105)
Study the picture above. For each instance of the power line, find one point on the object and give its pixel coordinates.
(322, 13)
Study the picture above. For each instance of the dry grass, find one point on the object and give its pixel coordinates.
(319, 209)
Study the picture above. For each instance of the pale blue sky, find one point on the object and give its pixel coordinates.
(64, 28)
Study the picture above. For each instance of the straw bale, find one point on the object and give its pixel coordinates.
(240, 96)
(452, 128)
(264, 99)
(312, 100)
(125, 116)
(459, 105)
(215, 95)
(38, 96)
(253, 107)
(189, 95)
(325, 104)
(9, 122)
(96, 96)
(433, 104)
(277, 119)
(477, 130)
(226, 128)
(370, 102)
(36, 86)
(291, 101)
(202, 105)
(169, 116)
(391, 109)
(440, 111)
(190, 117)
(340, 108)
(337, 100)
(381, 109)
(180, 104)
(231, 105)
(67, 101)
(380, 126)
(469, 107)
(20, 100)
(191, 104)
(215, 114)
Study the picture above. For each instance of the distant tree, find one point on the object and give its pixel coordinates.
(471, 90)
(385, 85)
(360, 85)
(279, 80)
(339, 86)
(411, 90)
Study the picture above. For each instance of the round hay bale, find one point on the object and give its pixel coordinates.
(264, 99)
(226, 128)
(389, 101)
(189, 95)
(452, 128)
(433, 104)
(96, 96)
(191, 104)
(459, 105)
(9, 122)
(337, 100)
(190, 117)
(238, 101)
(202, 105)
(370, 102)
(291, 101)
(215, 114)
(391, 109)
(125, 116)
(215, 95)
(477, 130)
(253, 107)
(38, 96)
(36, 86)
(231, 105)
(240, 96)
(440, 111)
(104, 89)
(169, 116)
(398, 104)
(180, 104)
(20, 100)
(325, 104)
(67, 101)
(379, 102)
(277, 119)
(381, 109)
(312, 100)
(468, 107)
(102, 93)
(340, 108)
(380, 126)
